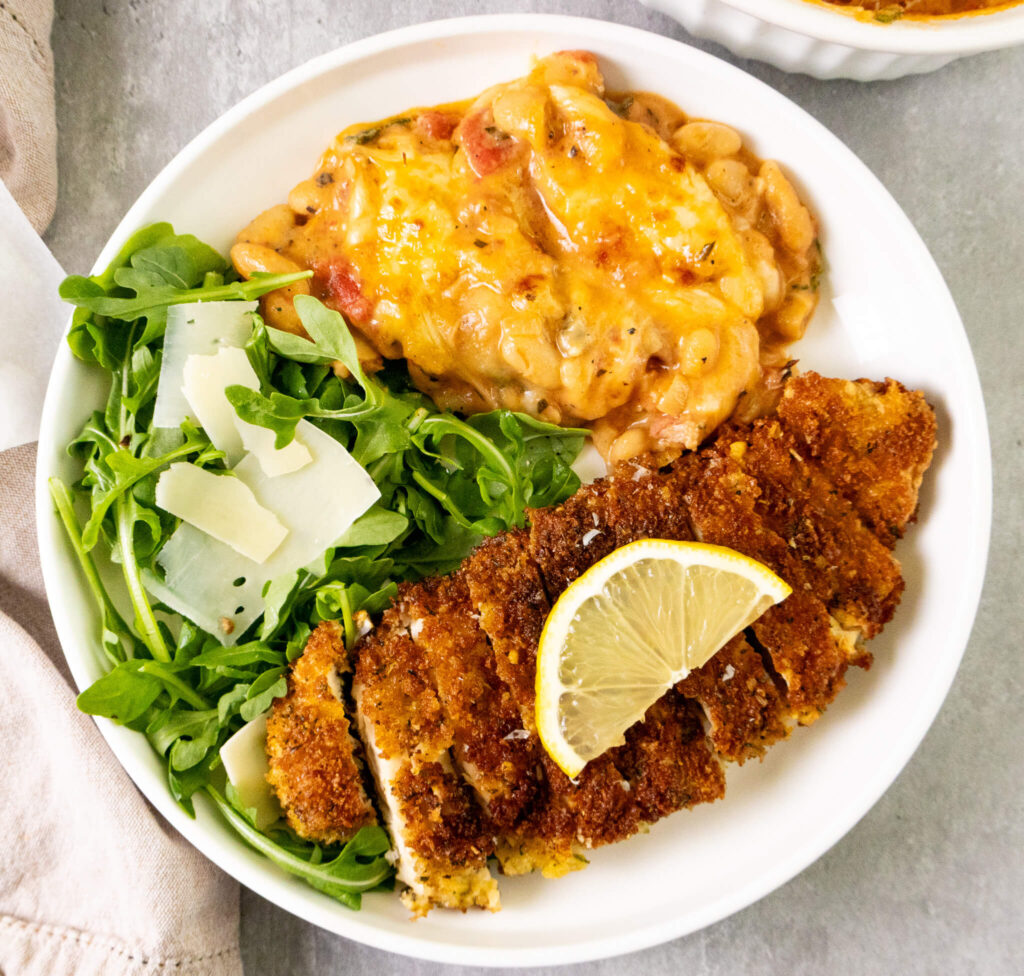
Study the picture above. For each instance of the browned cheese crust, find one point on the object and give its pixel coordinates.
(310, 748)
(873, 441)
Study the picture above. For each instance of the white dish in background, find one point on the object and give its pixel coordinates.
(778, 816)
(828, 42)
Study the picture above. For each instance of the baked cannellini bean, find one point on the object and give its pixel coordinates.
(791, 217)
(734, 182)
(305, 198)
(629, 444)
(276, 224)
(701, 142)
(277, 307)
(791, 319)
(698, 352)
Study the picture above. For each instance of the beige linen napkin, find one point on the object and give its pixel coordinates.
(92, 881)
(28, 133)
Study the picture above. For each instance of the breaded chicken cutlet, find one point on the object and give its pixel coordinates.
(443, 688)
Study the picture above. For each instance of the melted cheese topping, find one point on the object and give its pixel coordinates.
(550, 249)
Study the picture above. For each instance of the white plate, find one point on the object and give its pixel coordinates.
(697, 867)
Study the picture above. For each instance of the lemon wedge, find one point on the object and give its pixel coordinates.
(629, 628)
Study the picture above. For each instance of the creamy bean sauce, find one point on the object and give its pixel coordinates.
(586, 257)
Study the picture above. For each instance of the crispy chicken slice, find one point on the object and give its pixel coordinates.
(873, 441)
(745, 710)
(669, 761)
(619, 792)
(853, 574)
(499, 758)
(490, 748)
(807, 648)
(441, 836)
(635, 503)
(312, 754)
(506, 592)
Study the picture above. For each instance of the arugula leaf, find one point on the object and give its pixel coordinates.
(124, 469)
(151, 298)
(122, 694)
(360, 866)
(377, 526)
(268, 686)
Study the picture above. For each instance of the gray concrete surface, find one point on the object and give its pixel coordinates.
(932, 879)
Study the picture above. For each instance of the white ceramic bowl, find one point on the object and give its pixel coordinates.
(897, 319)
(829, 43)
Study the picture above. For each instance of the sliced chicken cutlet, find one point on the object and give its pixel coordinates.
(849, 570)
(668, 760)
(634, 503)
(807, 648)
(313, 757)
(873, 441)
(638, 502)
(507, 594)
(621, 791)
(495, 758)
(745, 710)
(441, 835)
(499, 758)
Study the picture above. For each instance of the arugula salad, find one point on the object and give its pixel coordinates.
(441, 483)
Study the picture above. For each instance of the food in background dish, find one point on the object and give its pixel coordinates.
(442, 690)
(887, 11)
(585, 257)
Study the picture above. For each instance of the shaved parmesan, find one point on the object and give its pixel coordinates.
(244, 756)
(210, 582)
(589, 465)
(205, 380)
(197, 329)
(223, 507)
(274, 461)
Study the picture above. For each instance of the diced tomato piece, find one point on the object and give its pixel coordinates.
(437, 125)
(341, 290)
(487, 149)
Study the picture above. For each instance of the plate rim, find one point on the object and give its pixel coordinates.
(123, 742)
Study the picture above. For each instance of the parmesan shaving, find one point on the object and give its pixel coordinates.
(221, 506)
(206, 580)
(206, 378)
(197, 329)
(244, 757)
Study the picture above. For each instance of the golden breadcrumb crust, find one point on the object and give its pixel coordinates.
(310, 748)
(873, 441)
(445, 683)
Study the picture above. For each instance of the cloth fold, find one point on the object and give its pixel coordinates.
(28, 131)
(93, 882)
